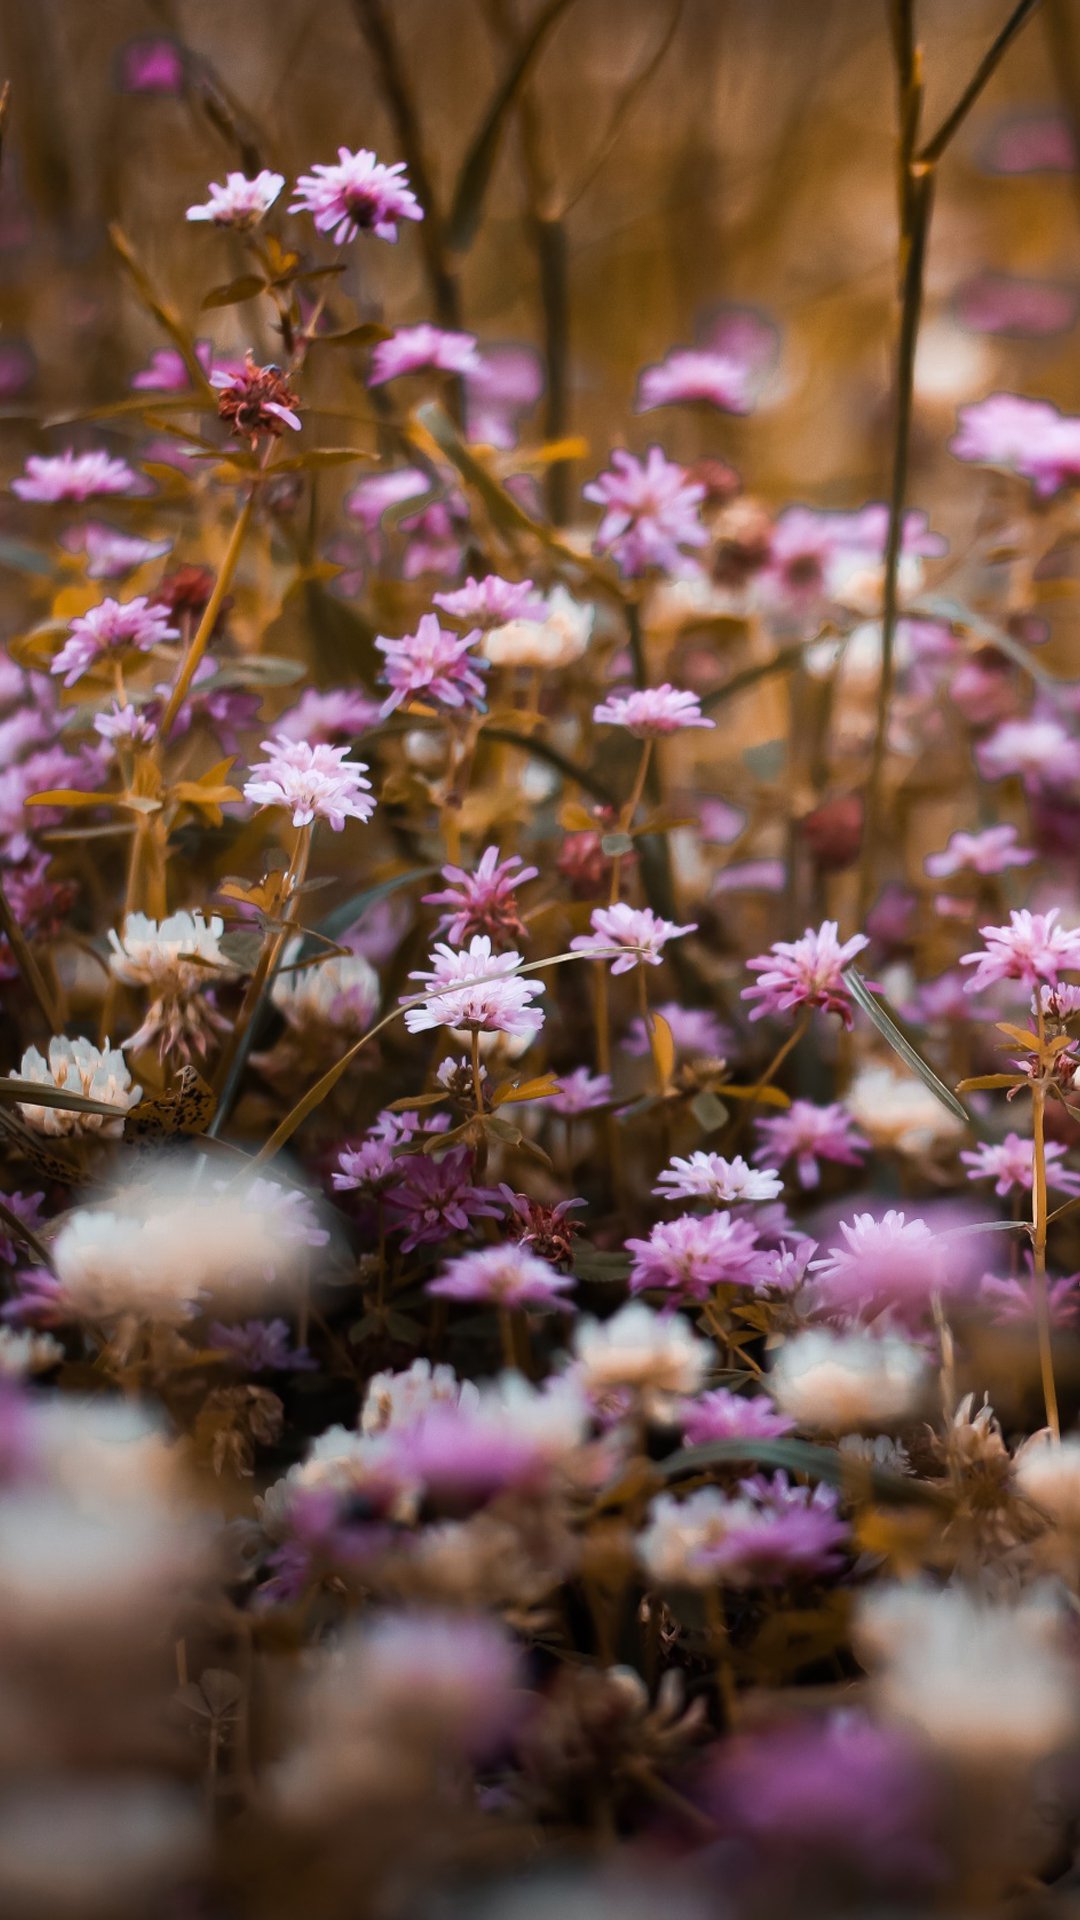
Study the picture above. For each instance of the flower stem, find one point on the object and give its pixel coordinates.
(1038, 1238)
(211, 611)
(269, 957)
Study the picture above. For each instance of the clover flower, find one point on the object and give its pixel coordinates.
(1029, 436)
(692, 1255)
(255, 401)
(657, 1357)
(892, 1262)
(807, 1134)
(708, 1176)
(723, 1415)
(581, 1092)
(1032, 949)
(805, 973)
(477, 990)
(639, 930)
(313, 783)
(341, 993)
(410, 348)
(175, 960)
(1040, 748)
(483, 901)
(651, 712)
(396, 1400)
(506, 1276)
(551, 635)
(429, 1199)
(356, 194)
(696, 1032)
(331, 717)
(241, 202)
(432, 665)
(755, 1537)
(99, 1072)
(74, 476)
(507, 1436)
(111, 555)
(109, 631)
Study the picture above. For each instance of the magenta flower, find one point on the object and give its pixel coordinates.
(477, 990)
(506, 1276)
(370, 1165)
(166, 370)
(893, 1262)
(1014, 1300)
(127, 726)
(240, 203)
(689, 373)
(708, 1176)
(650, 511)
(722, 1415)
(507, 383)
(695, 1253)
(152, 66)
(779, 1531)
(806, 1134)
(805, 973)
(637, 930)
(255, 400)
(990, 851)
(1039, 748)
(411, 348)
(492, 602)
(330, 717)
(433, 665)
(580, 1092)
(1029, 436)
(427, 1199)
(74, 476)
(1032, 948)
(356, 195)
(652, 711)
(313, 783)
(110, 555)
(1010, 1164)
(507, 1435)
(111, 630)
(484, 901)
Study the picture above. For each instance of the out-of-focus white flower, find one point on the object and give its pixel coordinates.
(128, 1843)
(23, 1351)
(1047, 1472)
(652, 1354)
(342, 993)
(66, 1571)
(557, 640)
(897, 1110)
(397, 1399)
(843, 1381)
(99, 1072)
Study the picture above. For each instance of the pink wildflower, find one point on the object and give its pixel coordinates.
(432, 664)
(580, 1092)
(697, 1033)
(1039, 748)
(491, 602)
(328, 717)
(314, 783)
(483, 901)
(687, 374)
(1030, 436)
(476, 989)
(429, 1199)
(114, 628)
(410, 348)
(988, 852)
(506, 1276)
(638, 930)
(240, 203)
(806, 1134)
(74, 476)
(651, 711)
(722, 1415)
(708, 1176)
(1010, 1164)
(110, 555)
(695, 1253)
(1032, 948)
(888, 1263)
(805, 973)
(256, 400)
(128, 726)
(650, 511)
(357, 194)
(1014, 1300)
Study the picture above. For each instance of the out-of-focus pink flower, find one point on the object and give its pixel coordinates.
(648, 712)
(1039, 748)
(1029, 309)
(581, 1092)
(638, 931)
(260, 1346)
(689, 374)
(988, 852)
(1031, 437)
(805, 973)
(506, 1435)
(708, 1176)
(17, 368)
(166, 370)
(427, 1199)
(125, 726)
(1032, 948)
(492, 602)
(74, 476)
(110, 555)
(240, 203)
(378, 492)
(356, 194)
(690, 1256)
(313, 783)
(114, 628)
(506, 1276)
(1010, 1164)
(697, 1033)
(411, 348)
(806, 1134)
(152, 66)
(507, 384)
(478, 990)
(650, 511)
(483, 901)
(433, 664)
(892, 1263)
(722, 1415)
(329, 717)
(1015, 1300)
(1031, 143)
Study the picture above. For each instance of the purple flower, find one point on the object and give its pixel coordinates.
(650, 511)
(721, 1415)
(113, 628)
(1032, 948)
(695, 1253)
(260, 1346)
(373, 1162)
(1029, 436)
(697, 1033)
(484, 901)
(805, 973)
(581, 1092)
(990, 851)
(638, 930)
(506, 1276)
(356, 195)
(1015, 1300)
(152, 66)
(429, 1199)
(652, 711)
(432, 664)
(328, 718)
(74, 476)
(806, 1134)
(708, 1176)
(506, 1435)
(688, 373)
(313, 783)
(1010, 1164)
(241, 202)
(492, 602)
(506, 384)
(786, 1531)
(378, 492)
(893, 1263)
(128, 726)
(27, 1208)
(410, 348)
(477, 990)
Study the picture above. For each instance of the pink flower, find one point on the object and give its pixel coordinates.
(74, 476)
(506, 384)
(888, 1263)
(256, 400)
(652, 711)
(506, 1276)
(1030, 436)
(313, 783)
(687, 374)
(410, 348)
(328, 717)
(125, 725)
(722, 1415)
(113, 628)
(357, 195)
(695, 1253)
(779, 1531)
(152, 66)
(491, 602)
(1010, 1164)
(478, 990)
(805, 973)
(806, 1134)
(432, 664)
(110, 555)
(708, 1176)
(697, 1034)
(429, 1199)
(1032, 948)
(370, 1165)
(988, 852)
(484, 901)
(581, 1092)
(1039, 748)
(1014, 1300)
(240, 203)
(638, 930)
(650, 511)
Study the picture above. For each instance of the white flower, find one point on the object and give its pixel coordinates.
(395, 1400)
(65, 1571)
(100, 1073)
(174, 959)
(23, 1351)
(1047, 1472)
(240, 202)
(708, 1176)
(656, 1355)
(342, 992)
(340, 1461)
(672, 1546)
(897, 1110)
(557, 640)
(840, 1381)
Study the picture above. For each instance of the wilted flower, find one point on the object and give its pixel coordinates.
(805, 973)
(357, 194)
(100, 1073)
(314, 783)
(175, 960)
(841, 1381)
(241, 202)
(74, 476)
(650, 511)
(257, 400)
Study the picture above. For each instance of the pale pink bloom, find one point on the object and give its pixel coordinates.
(313, 783)
(708, 1176)
(491, 602)
(127, 726)
(110, 555)
(1031, 143)
(329, 717)
(114, 628)
(483, 901)
(1039, 748)
(638, 930)
(1030, 436)
(806, 1134)
(370, 1165)
(581, 1092)
(74, 476)
(1032, 948)
(506, 1276)
(689, 373)
(1010, 1164)
(722, 1415)
(999, 303)
(697, 1033)
(695, 1253)
(805, 973)
(650, 511)
(1059, 1003)
(893, 1262)
(411, 348)
(1013, 1299)
(357, 194)
(432, 664)
(241, 202)
(650, 711)
(990, 851)
(475, 989)
(378, 492)
(506, 384)
(815, 556)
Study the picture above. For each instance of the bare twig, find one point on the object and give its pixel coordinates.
(987, 67)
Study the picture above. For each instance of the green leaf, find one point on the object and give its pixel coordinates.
(234, 291)
(343, 917)
(475, 176)
(32, 1094)
(876, 1011)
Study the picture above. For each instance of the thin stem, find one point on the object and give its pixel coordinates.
(626, 817)
(1038, 1240)
(269, 958)
(28, 967)
(210, 614)
(477, 1071)
(986, 68)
